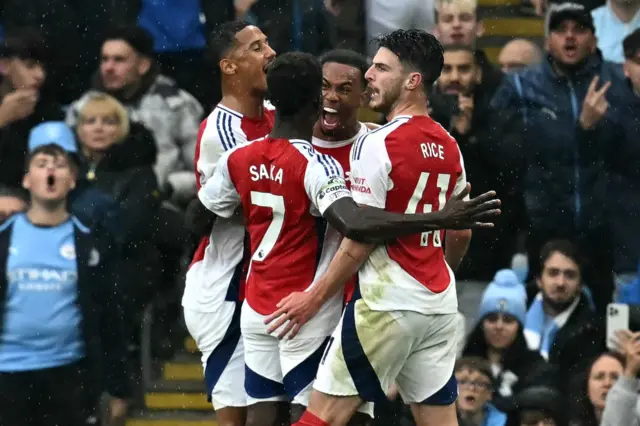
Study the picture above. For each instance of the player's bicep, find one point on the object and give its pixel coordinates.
(369, 172)
(324, 182)
(219, 194)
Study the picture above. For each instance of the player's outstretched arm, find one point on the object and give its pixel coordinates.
(372, 225)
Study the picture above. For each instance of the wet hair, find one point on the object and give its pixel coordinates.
(347, 57)
(458, 48)
(294, 82)
(417, 50)
(223, 38)
(564, 247)
(25, 44)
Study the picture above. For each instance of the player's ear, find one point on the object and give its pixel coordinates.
(26, 181)
(227, 66)
(539, 283)
(413, 81)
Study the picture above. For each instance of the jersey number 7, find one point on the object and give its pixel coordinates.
(418, 193)
(276, 204)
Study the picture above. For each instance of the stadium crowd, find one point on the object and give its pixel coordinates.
(106, 111)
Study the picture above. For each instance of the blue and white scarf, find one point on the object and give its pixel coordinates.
(540, 330)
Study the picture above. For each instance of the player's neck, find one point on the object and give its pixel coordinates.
(347, 132)
(47, 215)
(290, 128)
(408, 107)
(247, 105)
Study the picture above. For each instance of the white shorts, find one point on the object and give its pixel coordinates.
(370, 350)
(217, 335)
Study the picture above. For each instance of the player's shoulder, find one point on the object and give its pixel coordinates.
(268, 106)
(222, 127)
(376, 137)
(305, 148)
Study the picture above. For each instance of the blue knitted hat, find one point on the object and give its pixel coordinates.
(505, 294)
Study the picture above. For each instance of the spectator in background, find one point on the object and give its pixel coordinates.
(385, 16)
(291, 25)
(499, 337)
(565, 140)
(23, 59)
(12, 200)
(590, 395)
(476, 386)
(560, 323)
(622, 404)
(458, 23)
(116, 171)
(491, 145)
(519, 54)
(539, 406)
(128, 72)
(624, 171)
(613, 22)
(61, 341)
(180, 38)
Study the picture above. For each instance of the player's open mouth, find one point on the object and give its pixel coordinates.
(330, 118)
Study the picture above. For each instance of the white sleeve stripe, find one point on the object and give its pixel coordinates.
(329, 164)
(225, 132)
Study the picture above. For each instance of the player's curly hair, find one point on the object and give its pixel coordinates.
(418, 50)
(294, 81)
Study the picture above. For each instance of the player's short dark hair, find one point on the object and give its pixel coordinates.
(54, 150)
(25, 44)
(631, 44)
(347, 57)
(417, 50)
(223, 38)
(565, 248)
(294, 81)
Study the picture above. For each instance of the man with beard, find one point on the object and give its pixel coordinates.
(129, 73)
(560, 323)
(491, 144)
(614, 21)
(214, 284)
(565, 139)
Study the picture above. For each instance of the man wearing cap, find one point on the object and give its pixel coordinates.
(624, 186)
(61, 340)
(564, 102)
(128, 72)
(23, 56)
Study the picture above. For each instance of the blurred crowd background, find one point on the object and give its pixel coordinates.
(543, 99)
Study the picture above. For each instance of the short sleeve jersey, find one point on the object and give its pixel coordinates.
(216, 271)
(283, 186)
(410, 165)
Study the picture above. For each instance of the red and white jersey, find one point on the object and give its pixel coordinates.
(216, 271)
(410, 165)
(341, 151)
(284, 187)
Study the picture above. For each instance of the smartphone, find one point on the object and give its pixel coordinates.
(617, 319)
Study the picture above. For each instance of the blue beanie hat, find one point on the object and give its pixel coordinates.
(505, 294)
(52, 132)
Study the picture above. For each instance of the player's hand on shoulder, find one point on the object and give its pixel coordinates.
(198, 219)
(293, 312)
(477, 212)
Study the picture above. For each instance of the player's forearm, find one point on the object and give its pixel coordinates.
(456, 245)
(372, 225)
(346, 263)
